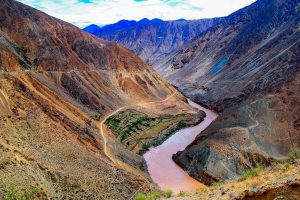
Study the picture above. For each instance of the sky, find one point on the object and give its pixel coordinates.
(85, 12)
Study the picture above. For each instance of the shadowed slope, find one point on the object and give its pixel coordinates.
(55, 78)
(153, 39)
(247, 68)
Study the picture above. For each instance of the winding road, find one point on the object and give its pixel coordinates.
(101, 123)
(162, 169)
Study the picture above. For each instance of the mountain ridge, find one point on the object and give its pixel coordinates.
(57, 83)
(247, 69)
(154, 39)
(120, 25)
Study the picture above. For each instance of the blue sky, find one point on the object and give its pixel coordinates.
(84, 12)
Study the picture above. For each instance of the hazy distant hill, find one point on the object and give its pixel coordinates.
(152, 39)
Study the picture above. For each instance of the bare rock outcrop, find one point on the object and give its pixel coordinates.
(247, 69)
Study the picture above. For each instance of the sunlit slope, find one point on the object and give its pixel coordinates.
(56, 83)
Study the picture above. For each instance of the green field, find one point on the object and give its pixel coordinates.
(137, 130)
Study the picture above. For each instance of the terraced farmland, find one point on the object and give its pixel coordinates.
(136, 129)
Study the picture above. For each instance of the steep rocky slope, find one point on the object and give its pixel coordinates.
(153, 39)
(247, 68)
(56, 81)
(279, 181)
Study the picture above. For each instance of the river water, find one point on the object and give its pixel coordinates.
(162, 169)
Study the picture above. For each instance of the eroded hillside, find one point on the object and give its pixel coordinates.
(246, 68)
(57, 86)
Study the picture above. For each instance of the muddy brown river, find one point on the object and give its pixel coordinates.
(163, 170)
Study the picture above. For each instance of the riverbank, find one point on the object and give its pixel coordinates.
(162, 169)
(278, 181)
(168, 132)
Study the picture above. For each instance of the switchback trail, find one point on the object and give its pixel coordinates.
(101, 123)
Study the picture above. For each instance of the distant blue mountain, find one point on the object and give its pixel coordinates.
(120, 25)
(147, 21)
(123, 24)
(151, 39)
(93, 28)
(181, 20)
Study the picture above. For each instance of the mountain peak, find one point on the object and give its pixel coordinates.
(157, 20)
(144, 20)
(181, 20)
(148, 21)
(120, 25)
(163, 42)
(93, 28)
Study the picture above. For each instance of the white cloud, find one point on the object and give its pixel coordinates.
(110, 11)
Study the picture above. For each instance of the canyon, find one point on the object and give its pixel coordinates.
(245, 66)
(57, 85)
(162, 169)
(108, 112)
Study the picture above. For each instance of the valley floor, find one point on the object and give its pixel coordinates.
(163, 170)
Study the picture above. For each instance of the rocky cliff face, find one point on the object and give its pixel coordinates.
(246, 68)
(55, 82)
(153, 39)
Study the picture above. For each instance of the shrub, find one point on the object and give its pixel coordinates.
(153, 196)
(25, 61)
(181, 125)
(294, 154)
(251, 172)
(31, 193)
(201, 190)
(167, 193)
(182, 194)
(275, 164)
(286, 165)
(140, 196)
(217, 184)
(150, 196)
(145, 146)
(96, 117)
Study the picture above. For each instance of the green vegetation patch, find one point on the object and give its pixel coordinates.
(217, 184)
(294, 154)
(25, 62)
(183, 194)
(153, 195)
(167, 193)
(150, 196)
(96, 117)
(12, 193)
(252, 172)
(168, 132)
(137, 129)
